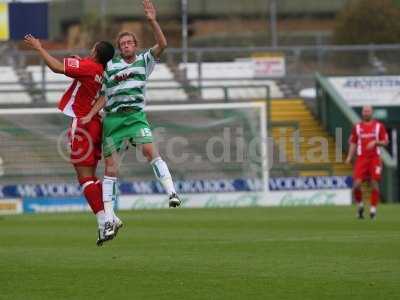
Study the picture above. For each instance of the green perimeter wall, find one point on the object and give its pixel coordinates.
(334, 113)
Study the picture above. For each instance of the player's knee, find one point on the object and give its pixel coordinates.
(111, 168)
(149, 153)
(111, 173)
(375, 185)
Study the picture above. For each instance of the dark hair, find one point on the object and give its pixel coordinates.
(126, 33)
(104, 52)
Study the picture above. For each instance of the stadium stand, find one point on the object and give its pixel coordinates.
(231, 74)
(40, 137)
(26, 138)
(162, 85)
(1, 167)
(290, 115)
(11, 90)
(37, 136)
(53, 82)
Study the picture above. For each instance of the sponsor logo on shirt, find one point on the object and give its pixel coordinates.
(124, 76)
(367, 135)
(73, 63)
(98, 78)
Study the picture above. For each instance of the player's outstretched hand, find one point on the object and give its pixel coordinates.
(149, 10)
(348, 160)
(32, 42)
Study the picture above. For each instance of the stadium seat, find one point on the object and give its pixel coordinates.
(225, 70)
(1, 167)
(54, 81)
(231, 75)
(235, 91)
(15, 91)
(162, 86)
(308, 93)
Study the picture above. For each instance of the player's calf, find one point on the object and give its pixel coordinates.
(360, 212)
(358, 199)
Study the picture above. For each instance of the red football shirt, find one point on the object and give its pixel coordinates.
(365, 132)
(78, 99)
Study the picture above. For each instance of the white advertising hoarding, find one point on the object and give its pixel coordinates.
(368, 90)
(10, 206)
(269, 66)
(240, 199)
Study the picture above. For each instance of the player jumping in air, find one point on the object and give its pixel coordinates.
(366, 139)
(124, 92)
(77, 101)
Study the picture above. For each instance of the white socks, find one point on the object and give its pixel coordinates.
(163, 175)
(115, 218)
(101, 219)
(110, 191)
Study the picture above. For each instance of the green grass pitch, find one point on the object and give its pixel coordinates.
(251, 253)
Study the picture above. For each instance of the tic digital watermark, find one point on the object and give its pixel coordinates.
(227, 145)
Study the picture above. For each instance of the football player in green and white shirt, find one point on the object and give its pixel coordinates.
(123, 99)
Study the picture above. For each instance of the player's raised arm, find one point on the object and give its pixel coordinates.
(161, 41)
(53, 63)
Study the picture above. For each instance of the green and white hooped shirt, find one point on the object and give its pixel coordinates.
(124, 84)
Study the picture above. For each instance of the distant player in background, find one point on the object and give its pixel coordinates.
(77, 101)
(124, 100)
(366, 139)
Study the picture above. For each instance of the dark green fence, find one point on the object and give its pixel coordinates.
(335, 114)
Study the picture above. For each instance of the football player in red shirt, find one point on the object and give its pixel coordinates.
(366, 139)
(77, 101)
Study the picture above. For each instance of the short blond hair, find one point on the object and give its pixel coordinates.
(126, 33)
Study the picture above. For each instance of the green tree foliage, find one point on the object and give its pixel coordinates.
(368, 22)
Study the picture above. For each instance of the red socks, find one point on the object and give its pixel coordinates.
(91, 188)
(374, 197)
(358, 195)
